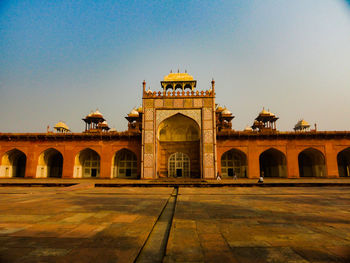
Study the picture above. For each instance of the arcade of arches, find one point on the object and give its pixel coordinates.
(179, 158)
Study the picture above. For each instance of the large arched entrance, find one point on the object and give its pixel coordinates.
(178, 136)
(87, 164)
(273, 163)
(343, 159)
(311, 163)
(50, 164)
(233, 162)
(125, 164)
(179, 165)
(13, 164)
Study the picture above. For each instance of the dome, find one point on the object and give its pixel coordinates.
(139, 109)
(264, 112)
(61, 125)
(220, 109)
(226, 112)
(149, 91)
(302, 123)
(178, 77)
(133, 113)
(248, 128)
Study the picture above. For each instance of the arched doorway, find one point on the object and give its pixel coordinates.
(13, 164)
(178, 134)
(50, 164)
(179, 165)
(311, 163)
(343, 159)
(234, 162)
(87, 164)
(125, 164)
(273, 163)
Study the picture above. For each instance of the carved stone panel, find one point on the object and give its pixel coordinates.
(158, 103)
(207, 114)
(178, 103)
(148, 160)
(149, 114)
(197, 103)
(148, 136)
(208, 136)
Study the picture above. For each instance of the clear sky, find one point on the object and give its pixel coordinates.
(61, 59)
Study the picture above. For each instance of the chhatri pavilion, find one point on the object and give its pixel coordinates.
(178, 132)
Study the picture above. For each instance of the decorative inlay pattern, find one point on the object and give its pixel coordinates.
(207, 114)
(168, 103)
(161, 115)
(148, 136)
(148, 125)
(208, 102)
(149, 114)
(208, 147)
(178, 103)
(148, 173)
(197, 103)
(149, 148)
(148, 160)
(208, 159)
(209, 173)
(148, 103)
(208, 136)
(158, 103)
(207, 125)
(188, 103)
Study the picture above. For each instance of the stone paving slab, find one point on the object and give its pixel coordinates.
(261, 225)
(289, 224)
(77, 226)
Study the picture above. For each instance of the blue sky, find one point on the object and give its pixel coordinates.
(61, 59)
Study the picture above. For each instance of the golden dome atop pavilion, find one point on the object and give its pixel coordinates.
(178, 77)
(133, 113)
(61, 125)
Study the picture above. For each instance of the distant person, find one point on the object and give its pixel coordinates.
(218, 177)
(234, 175)
(261, 179)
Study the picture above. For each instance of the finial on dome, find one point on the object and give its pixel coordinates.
(178, 71)
(185, 70)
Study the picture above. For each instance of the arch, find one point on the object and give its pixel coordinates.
(125, 164)
(178, 134)
(50, 164)
(273, 163)
(13, 164)
(343, 160)
(87, 164)
(178, 86)
(188, 86)
(178, 128)
(179, 165)
(234, 161)
(311, 163)
(169, 86)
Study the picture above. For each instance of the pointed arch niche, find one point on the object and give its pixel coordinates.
(13, 164)
(87, 164)
(50, 164)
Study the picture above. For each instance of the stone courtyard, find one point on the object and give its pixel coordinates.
(226, 224)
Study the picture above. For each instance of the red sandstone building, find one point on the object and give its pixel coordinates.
(178, 132)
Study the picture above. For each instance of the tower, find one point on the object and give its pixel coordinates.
(178, 130)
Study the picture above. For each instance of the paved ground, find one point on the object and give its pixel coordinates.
(62, 224)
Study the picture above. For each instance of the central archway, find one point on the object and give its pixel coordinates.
(13, 164)
(179, 135)
(179, 165)
(273, 163)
